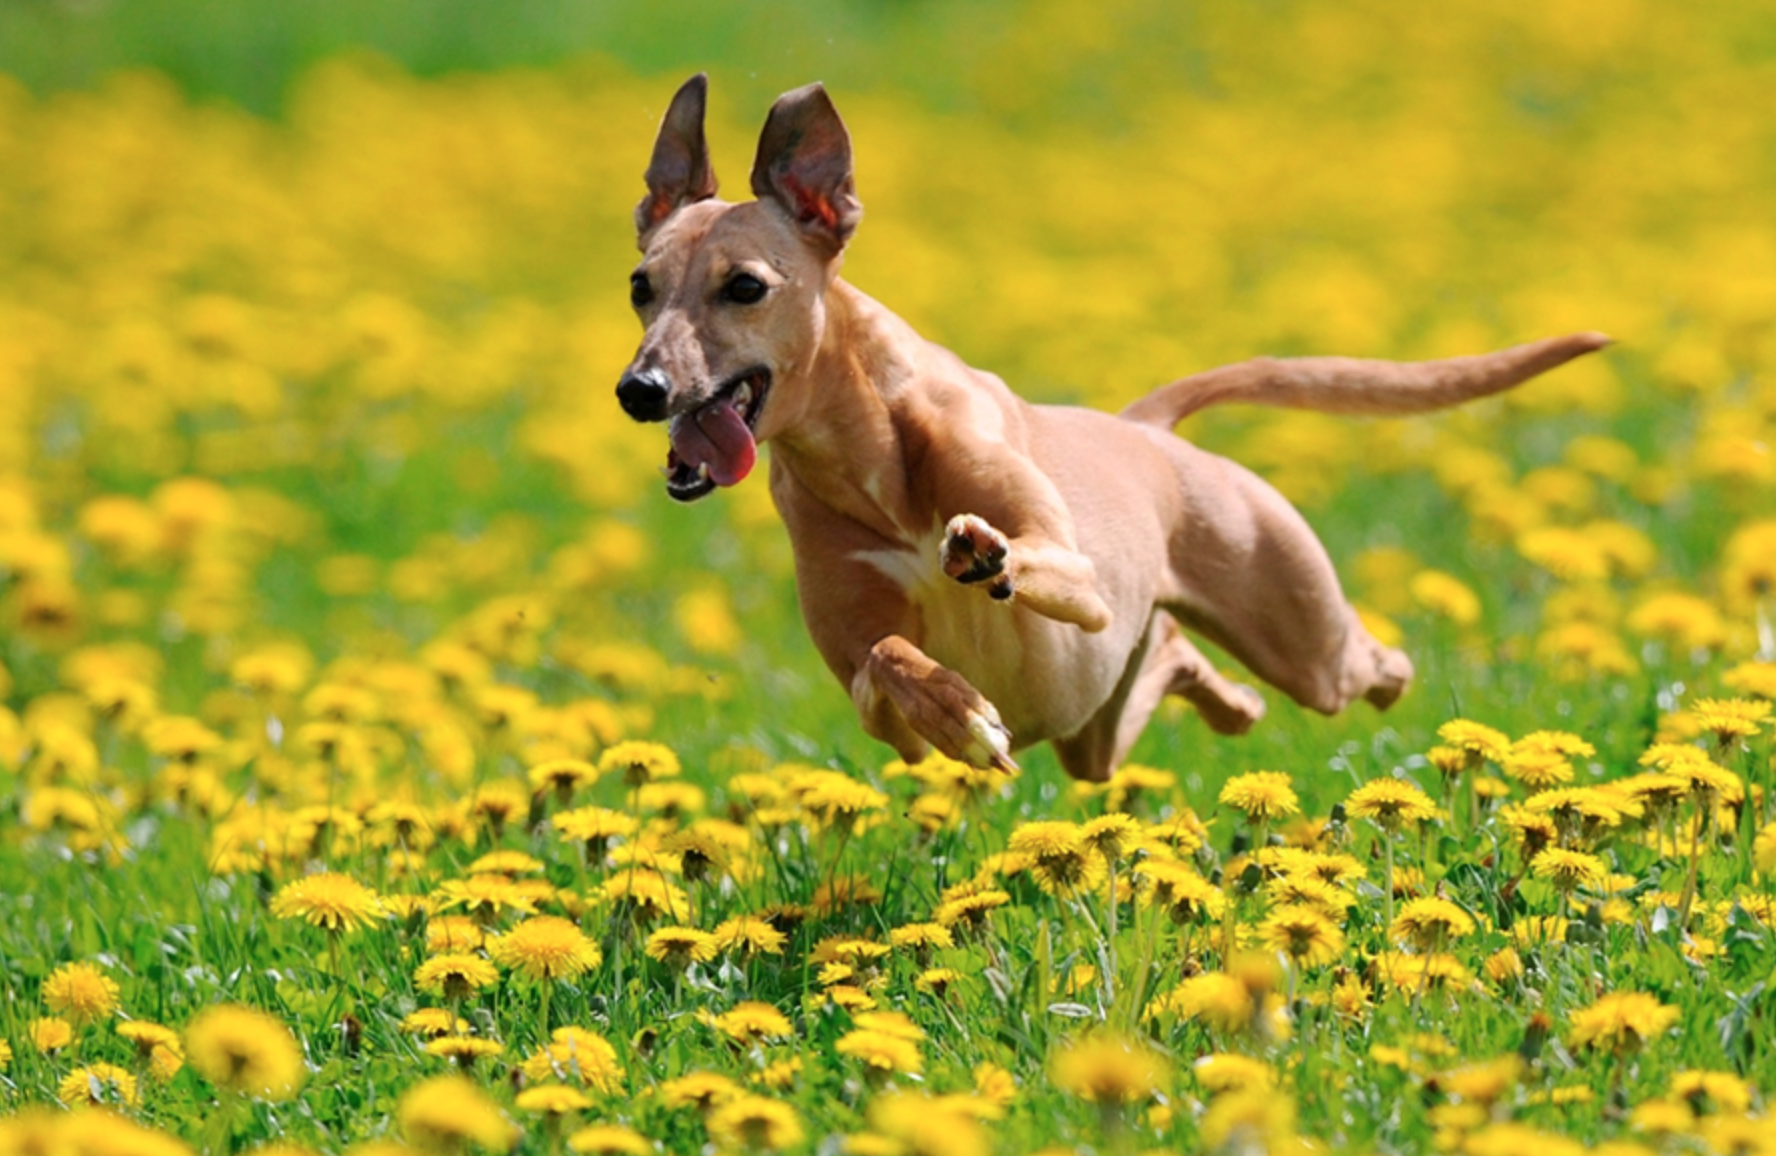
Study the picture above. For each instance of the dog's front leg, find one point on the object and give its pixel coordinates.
(1053, 580)
(898, 688)
(854, 583)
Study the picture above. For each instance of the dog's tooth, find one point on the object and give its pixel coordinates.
(703, 471)
(743, 395)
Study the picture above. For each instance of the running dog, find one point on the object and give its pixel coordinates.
(982, 573)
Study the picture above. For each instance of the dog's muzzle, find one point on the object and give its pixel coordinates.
(642, 394)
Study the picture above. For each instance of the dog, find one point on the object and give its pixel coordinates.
(982, 573)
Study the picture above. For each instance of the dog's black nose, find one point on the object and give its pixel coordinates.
(642, 394)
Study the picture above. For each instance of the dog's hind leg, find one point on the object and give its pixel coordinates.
(1167, 663)
(1252, 578)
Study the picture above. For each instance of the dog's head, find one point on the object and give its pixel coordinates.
(732, 296)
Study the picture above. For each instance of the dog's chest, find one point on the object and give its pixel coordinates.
(960, 626)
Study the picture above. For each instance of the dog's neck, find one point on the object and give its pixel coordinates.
(846, 447)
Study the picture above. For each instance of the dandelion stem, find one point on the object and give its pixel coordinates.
(1387, 882)
(1703, 804)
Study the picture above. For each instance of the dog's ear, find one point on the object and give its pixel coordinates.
(680, 173)
(804, 165)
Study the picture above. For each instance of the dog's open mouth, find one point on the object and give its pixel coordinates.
(713, 445)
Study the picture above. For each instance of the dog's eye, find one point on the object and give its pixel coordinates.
(641, 293)
(744, 289)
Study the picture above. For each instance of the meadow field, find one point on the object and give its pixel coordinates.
(387, 765)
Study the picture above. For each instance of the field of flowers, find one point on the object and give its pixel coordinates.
(387, 765)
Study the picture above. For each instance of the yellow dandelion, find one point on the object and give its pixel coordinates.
(1567, 869)
(919, 1124)
(1481, 743)
(971, 910)
(50, 1034)
(609, 1140)
(639, 762)
(1261, 795)
(80, 993)
(593, 826)
(456, 975)
(1302, 933)
(1417, 973)
(1504, 966)
(575, 1054)
(700, 854)
(1754, 678)
(699, 1090)
(1110, 835)
(1430, 922)
(1310, 891)
(451, 1112)
(1215, 998)
(1064, 864)
(1537, 769)
(561, 777)
(751, 1021)
(486, 898)
(1230, 1072)
(98, 1084)
(506, 862)
(246, 1051)
(1444, 594)
(1390, 803)
(755, 1123)
(1708, 1093)
(679, 947)
(922, 937)
(1180, 891)
(1621, 1022)
(552, 1100)
(836, 800)
(645, 895)
(880, 1050)
(463, 1050)
(1763, 849)
(1107, 1069)
(546, 947)
(750, 935)
(937, 980)
(454, 933)
(1730, 719)
(433, 1021)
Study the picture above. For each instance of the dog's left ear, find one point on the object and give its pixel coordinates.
(680, 173)
(804, 165)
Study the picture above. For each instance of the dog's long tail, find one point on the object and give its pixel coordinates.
(1352, 385)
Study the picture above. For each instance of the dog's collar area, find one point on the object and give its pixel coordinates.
(716, 444)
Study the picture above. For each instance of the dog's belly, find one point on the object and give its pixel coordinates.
(1046, 678)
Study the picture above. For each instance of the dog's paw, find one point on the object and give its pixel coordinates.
(990, 744)
(973, 552)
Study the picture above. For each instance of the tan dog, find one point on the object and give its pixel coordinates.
(982, 573)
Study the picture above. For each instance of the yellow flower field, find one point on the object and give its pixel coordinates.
(387, 765)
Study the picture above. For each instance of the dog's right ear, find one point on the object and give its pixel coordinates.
(680, 173)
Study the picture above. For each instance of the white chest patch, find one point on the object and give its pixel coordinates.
(985, 641)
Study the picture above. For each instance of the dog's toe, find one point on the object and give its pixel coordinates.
(973, 552)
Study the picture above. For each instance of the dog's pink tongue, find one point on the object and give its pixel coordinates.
(716, 436)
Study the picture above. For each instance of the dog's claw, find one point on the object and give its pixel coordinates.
(992, 742)
(973, 552)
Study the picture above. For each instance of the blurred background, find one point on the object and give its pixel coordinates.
(349, 276)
